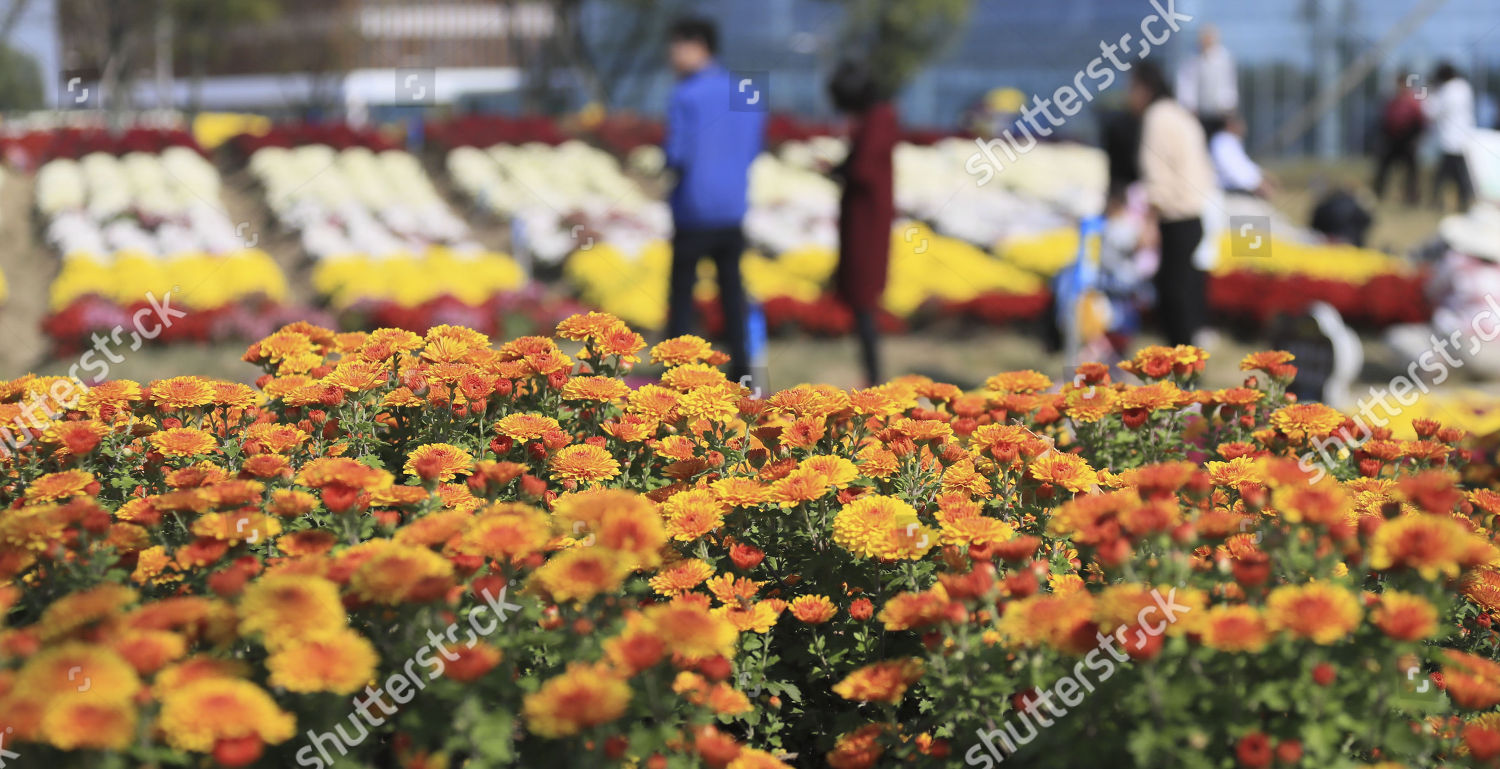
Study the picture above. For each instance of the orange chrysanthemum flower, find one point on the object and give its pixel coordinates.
(198, 715)
(285, 608)
(235, 528)
(907, 611)
(438, 461)
(741, 492)
(876, 461)
(680, 577)
(813, 609)
(77, 438)
(1318, 611)
(631, 428)
(622, 343)
(74, 724)
(180, 393)
(801, 485)
(1432, 544)
(681, 350)
(837, 472)
(601, 389)
(1300, 421)
(580, 574)
(1018, 382)
(1157, 362)
(1089, 404)
(1405, 617)
(149, 650)
(583, 697)
(1481, 735)
(863, 526)
(884, 681)
(1156, 396)
(400, 574)
(55, 671)
(526, 427)
(587, 326)
(1473, 682)
(183, 442)
(1483, 587)
(1062, 621)
(1234, 629)
(756, 618)
(859, 749)
(341, 662)
(307, 542)
(653, 401)
(583, 462)
(1277, 363)
(514, 533)
(273, 438)
(1069, 471)
(690, 630)
(692, 514)
(56, 486)
(343, 472)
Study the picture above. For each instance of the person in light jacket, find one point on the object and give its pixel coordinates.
(1450, 110)
(1180, 184)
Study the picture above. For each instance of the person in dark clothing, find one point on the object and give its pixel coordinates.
(868, 206)
(1340, 218)
(1121, 141)
(710, 147)
(1401, 124)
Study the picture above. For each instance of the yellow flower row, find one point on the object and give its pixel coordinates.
(200, 281)
(924, 266)
(412, 280)
(1048, 252)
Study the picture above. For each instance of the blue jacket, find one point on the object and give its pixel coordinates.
(710, 147)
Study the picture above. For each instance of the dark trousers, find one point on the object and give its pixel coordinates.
(1402, 153)
(1181, 288)
(724, 246)
(1453, 168)
(869, 344)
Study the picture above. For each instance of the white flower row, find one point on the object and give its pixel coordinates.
(161, 205)
(106, 186)
(357, 201)
(562, 198)
(507, 179)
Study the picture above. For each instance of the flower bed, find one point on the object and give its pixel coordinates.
(1367, 287)
(377, 229)
(575, 205)
(510, 557)
(29, 148)
(930, 276)
(141, 225)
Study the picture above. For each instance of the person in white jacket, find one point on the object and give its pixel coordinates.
(1207, 84)
(1450, 112)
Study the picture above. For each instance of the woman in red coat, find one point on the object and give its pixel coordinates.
(868, 206)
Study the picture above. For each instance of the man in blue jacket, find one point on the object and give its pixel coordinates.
(714, 130)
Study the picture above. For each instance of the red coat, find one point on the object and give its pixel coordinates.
(868, 209)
